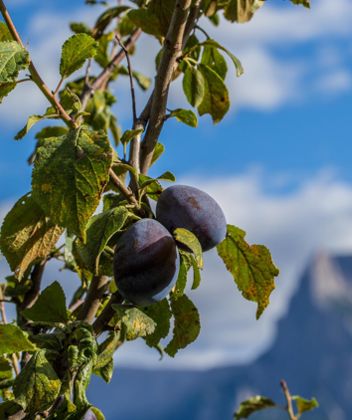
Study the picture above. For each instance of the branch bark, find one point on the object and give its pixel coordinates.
(172, 49)
(34, 72)
(288, 398)
(108, 312)
(98, 287)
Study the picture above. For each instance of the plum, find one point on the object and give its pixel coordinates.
(145, 262)
(182, 206)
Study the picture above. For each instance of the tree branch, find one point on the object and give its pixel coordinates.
(106, 74)
(108, 312)
(172, 48)
(98, 287)
(36, 279)
(124, 190)
(33, 71)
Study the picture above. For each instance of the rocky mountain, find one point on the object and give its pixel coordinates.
(312, 351)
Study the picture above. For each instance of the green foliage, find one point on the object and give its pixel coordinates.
(37, 386)
(304, 405)
(75, 51)
(86, 160)
(252, 405)
(14, 340)
(13, 59)
(186, 324)
(69, 177)
(250, 265)
(50, 307)
(27, 235)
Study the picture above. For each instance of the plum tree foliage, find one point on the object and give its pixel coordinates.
(90, 203)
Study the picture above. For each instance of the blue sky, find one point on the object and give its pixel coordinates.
(279, 163)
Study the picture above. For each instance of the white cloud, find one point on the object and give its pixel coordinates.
(335, 82)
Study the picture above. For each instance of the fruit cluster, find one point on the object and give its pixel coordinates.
(145, 261)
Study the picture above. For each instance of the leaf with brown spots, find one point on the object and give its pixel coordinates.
(27, 235)
(251, 266)
(69, 177)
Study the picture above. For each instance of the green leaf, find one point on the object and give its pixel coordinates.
(5, 89)
(194, 86)
(37, 386)
(129, 135)
(185, 265)
(107, 17)
(186, 116)
(51, 131)
(104, 365)
(187, 238)
(9, 408)
(163, 10)
(50, 306)
(69, 177)
(251, 266)
(213, 59)
(196, 274)
(5, 369)
(144, 82)
(216, 100)
(13, 58)
(187, 324)
(305, 3)
(147, 21)
(75, 51)
(100, 230)
(5, 34)
(136, 323)
(253, 405)
(80, 28)
(242, 11)
(158, 151)
(304, 405)
(14, 340)
(160, 313)
(33, 119)
(27, 235)
(237, 63)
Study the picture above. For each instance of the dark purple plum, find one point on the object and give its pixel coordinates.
(145, 262)
(181, 206)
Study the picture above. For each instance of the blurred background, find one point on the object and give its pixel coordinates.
(280, 166)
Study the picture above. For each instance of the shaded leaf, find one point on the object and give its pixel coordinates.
(160, 313)
(253, 405)
(104, 364)
(213, 59)
(33, 119)
(304, 405)
(194, 86)
(5, 89)
(27, 235)
(143, 81)
(242, 11)
(51, 131)
(14, 340)
(100, 230)
(9, 408)
(181, 282)
(13, 58)
(158, 151)
(69, 177)
(187, 324)
(75, 51)
(216, 100)
(186, 116)
(251, 266)
(37, 386)
(147, 21)
(237, 63)
(50, 306)
(187, 238)
(305, 3)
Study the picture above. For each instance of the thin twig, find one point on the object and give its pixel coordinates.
(58, 86)
(130, 75)
(107, 313)
(34, 72)
(124, 190)
(172, 48)
(288, 397)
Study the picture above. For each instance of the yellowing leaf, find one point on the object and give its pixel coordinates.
(13, 58)
(14, 340)
(252, 405)
(242, 11)
(27, 235)
(251, 266)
